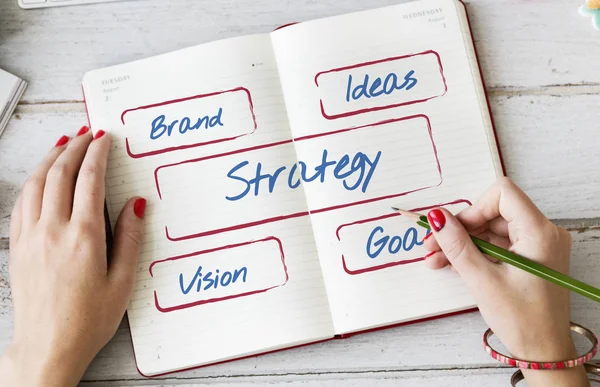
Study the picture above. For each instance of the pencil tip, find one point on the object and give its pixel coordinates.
(408, 214)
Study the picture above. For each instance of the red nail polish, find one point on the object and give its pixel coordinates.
(427, 237)
(139, 208)
(437, 220)
(84, 129)
(62, 141)
(99, 134)
(429, 255)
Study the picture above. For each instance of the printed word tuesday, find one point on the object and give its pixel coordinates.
(354, 173)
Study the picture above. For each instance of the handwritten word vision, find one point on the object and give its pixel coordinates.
(377, 87)
(183, 125)
(212, 280)
(354, 173)
(379, 241)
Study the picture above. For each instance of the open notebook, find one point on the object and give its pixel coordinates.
(270, 163)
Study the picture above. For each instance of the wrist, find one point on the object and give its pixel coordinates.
(25, 368)
(553, 349)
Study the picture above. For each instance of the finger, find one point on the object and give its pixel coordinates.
(494, 239)
(470, 220)
(126, 248)
(88, 200)
(60, 183)
(15, 222)
(499, 226)
(437, 261)
(33, 189)
(430, 243)
(458, 247)
(504, 199)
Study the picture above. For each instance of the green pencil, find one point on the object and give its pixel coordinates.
(521, 262)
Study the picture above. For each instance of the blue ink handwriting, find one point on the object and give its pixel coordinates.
(360, 166)
(394, 244)
(379, 87)
(183, 125)
(205, 281)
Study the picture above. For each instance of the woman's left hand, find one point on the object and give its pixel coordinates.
(68, 300)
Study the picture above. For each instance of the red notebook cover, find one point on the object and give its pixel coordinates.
(342, 336)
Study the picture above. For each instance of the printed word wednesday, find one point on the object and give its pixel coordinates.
(212, 280)
(354, 173)
(377, 87)
(159, 128)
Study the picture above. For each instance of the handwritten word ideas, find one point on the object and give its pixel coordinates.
(205, 280)
(379, 87)
(354, 173)
(381, 84)
(183, 125)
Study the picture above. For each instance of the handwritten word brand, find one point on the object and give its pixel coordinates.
(378, 242)
(379, 87)
(183, 125)
(361, 169)
(206, 281)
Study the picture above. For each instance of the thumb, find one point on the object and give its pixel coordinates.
(127, 244)
(458, 247)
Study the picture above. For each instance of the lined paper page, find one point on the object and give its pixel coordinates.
(387, 109)
(229, 267)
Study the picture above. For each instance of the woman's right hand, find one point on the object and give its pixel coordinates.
(530, 316)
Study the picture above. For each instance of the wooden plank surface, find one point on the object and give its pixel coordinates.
(540, 60)
(451, 378)
(522, 44)
(450, 343)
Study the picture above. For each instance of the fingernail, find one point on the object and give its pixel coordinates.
(84, 129)
(437, 220)
(99, 134)
(139, 208)
(429, 255)
(427, 237)
(62, 141)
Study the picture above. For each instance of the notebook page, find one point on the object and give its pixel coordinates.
(225, 271)
(412, 135)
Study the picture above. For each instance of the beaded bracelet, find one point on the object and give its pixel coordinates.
(545, 365)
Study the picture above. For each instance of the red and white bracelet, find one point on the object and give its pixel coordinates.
(590, 368)
(524, 364)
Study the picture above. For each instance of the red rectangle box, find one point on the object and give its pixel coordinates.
(391, 240)
(381, 84)
(189, 122)
(198, 191)
(218, 274)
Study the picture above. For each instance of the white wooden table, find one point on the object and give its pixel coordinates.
(541, 61)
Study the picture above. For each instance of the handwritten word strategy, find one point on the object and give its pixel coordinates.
(354, 174)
